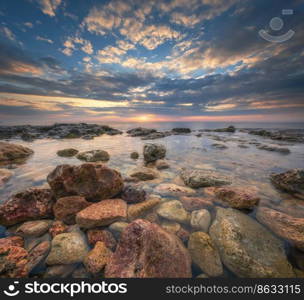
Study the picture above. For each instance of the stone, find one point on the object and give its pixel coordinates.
(153, 152)
(68, 248)
(173, 211)
(69, 152)
(102, 213)
(66, 208)
(97, 258)
(145, 250)
(59, 271)
(283, 225)
(5, 175)
(200, 220)
(31, 204)
(196, 203)
(183, 234)
(247, 248)
(204, 254)
(12, 241)
(171, 226)
(38, 254)
(101, 235)
(181, 130)
(140, 131)
(81, 272)
(10, 152)
(140, 209)
(143, 173)
(117, 228)
(219, 146)
(171, 189)
(34, 228)
(92, 181)
(274, 149)
(132, 195)
(203, 178)
(57, 227)
(134, 155)
(161, 164)
(94, 156)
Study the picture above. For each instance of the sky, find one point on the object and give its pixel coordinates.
(150, 61)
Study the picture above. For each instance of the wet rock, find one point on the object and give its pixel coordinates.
(181, 130)
(155, 135)
(5, 175)
(145, 250)
(219, 146)
(283, 135)
(88, 137)
(203, 178)
(183, 235)
(59, 271)
(66, 208)
(31, 204)
(153, 152)
(196, 203)
(170, 226)
(174, 211)
(228, 129)
(97, 258)
(274, 149)
(68, 248)
(204, 254)
(13, 262)
(102, 213)
(237, 197)
(69, 152)
(138, 210)
(101, 235)
(144, 174)
(10, 152)
(34, 228)
(134, 155)
(117, 228)
(92, 181)
(81, 272)
(200, 220)
(171, 189)
(283, 225)
(247, 248)
(132, 195)
(139, 131)
(291, 181)
(161, 164)
(38, 254)
(57, 227)
(94, 156)
(16, 241)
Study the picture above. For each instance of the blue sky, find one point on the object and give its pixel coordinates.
(190, 60)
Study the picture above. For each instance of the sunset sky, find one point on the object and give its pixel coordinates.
(179, 60)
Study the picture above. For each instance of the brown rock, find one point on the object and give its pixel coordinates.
(31, 204)
(12, 241)
(34, 228)
(57, 227)
(10, 152)
(143, 173)
(132, 195)
(101, 235)
(196, 203)
(139, 209)
(102, 213)
(38, 254)
(90, 180)
(145, 250)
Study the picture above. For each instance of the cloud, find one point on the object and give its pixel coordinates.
(28, 24)
(7, 33)
(73, 43)
(49, 7)
(40, 38)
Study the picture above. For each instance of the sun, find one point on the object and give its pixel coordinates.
(143, 118)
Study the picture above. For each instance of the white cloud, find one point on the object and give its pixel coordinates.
(40, 38)
(49, 7)
(7, 33)
(72, 43)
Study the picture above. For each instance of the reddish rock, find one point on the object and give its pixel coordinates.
(196, 203)
(12, 241)
(57, 227)
(283, 225)
(93, 181)
(38, 254)
(183, 234)
(13, 262)
(145, 250)
(101, 235)
(66, 208)
(29, 205)
(102, 213)
(133, 195)
(10, 152)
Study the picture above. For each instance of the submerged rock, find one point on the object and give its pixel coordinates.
(153, 152)
(101, 235)
(196, 203)
(145, 250)
(173, 211)
(34, 228)
(38, 254)
(117, 228)
(219, 146)
(31, 204)
(92, 181)
(161, 164)
(69, 152)
(132, 195)
(247, 248)
(57, 227)
(274, 149)
(59, 271)
(140, 209)
(171, 189)
(134, 155)
(200, 220)
(12, 241)
(144, 174)
(10, 152)
(94, 156)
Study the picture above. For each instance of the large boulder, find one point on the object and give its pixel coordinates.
(10, 152)
(31, 204)
(92, 181)
(102, 213)
(145, 250)
(247, 248)
(94, 156)
(283, 225)
(153, 152)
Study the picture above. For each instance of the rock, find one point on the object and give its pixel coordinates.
(200, 220)
(171, 189)
(102, 213)
(219, 146)
(291, 181)
(174, 211)
(34, 228)
(134, 155)
(16, 241)
(139, 131)
(183, 234)
(203, 178)
(57, 227)
(161, 164)
(138, 210)
(153, 152)
(155, 135)
(204, 254)
(274, 149)
(170, 226)
(31, 204)
(238, 197)
(5, 175)
(247, 248)
(81, 272)
(38, 254)
(181, 130)
(88, 137)
(117, 228)
(196, 203)
(97, 258)
(143, 173)
(13, 262)
(202, 276)
(94, 156)
(67, 248)
(69, 152)
(228, 129)
(283, 225)
(101, 235)
(59, 271)
(10, 152)
(145, 250)
(66, 208)
(92, 181)
(132, 195)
